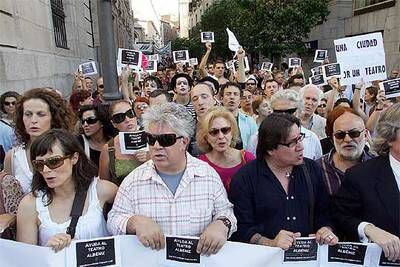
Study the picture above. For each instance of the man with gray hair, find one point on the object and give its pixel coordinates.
(311, 96)
(173, 193)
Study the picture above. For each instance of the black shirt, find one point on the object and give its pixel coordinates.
(94, 154)
(262, 206)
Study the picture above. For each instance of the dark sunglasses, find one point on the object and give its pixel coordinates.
(120, 117)
(90, 120)
(6, 103)
(294, 142)
(52, 163)
(289, 111)
(223, 130)
(352, 133)
(101, 85)
(164, 140)
(250, 84)
(322, 106)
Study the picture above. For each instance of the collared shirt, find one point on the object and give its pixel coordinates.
(317, 126)
(311, 143)
(333, 176)
(199, 199)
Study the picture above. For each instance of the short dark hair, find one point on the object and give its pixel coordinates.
(83, 172)
(3, 98)
(102, 114)
(218, 61)
(159, 92)
(228, 84)
(155, 79)
(273, 130)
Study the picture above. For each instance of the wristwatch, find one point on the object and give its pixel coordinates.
(226, 222)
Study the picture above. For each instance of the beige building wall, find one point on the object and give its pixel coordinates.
(196, 10)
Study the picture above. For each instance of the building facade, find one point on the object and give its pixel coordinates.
(169, 30)
(196, 10)
(184, 18)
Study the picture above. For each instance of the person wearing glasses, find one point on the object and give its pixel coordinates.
(367, 206)
(8, 101)
(321, 108)
(97, 131)
(246, 103)
(114, 165)
(60, 168)
(216, 137)
(140, 105)
(281, 195)
(251, 84)
(173, 193)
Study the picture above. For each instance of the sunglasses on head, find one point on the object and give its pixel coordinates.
(6, 103)
(223, 130)
(52, 163)
(164, 140)
(90, 120)
(120, 117)
(352, 134)
(289, 111)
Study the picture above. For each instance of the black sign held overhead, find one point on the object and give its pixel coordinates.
(207, 37)
(391, 87)
(180, 56)
(88, 68)
(383, 261)
(320, 55)
(347, 253)
(317, 80)
(316, 70)
(267, 66)
(130, 57)
(294, 62)
(182, 249)
(132, 142)
(331, 70)
(303, 250)
(95, 253)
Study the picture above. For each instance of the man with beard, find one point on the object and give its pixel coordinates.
(349, 135)
(311, 96)
(182, 84)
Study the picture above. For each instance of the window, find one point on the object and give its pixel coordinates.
(60, 35)
(364, 6)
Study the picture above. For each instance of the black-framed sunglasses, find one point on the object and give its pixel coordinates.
(164, 140)
(120, 117)
(89, 120)
(322, 106)
(288, 111)
(352, 133)
(251, 84)
(295, 141)
(223, 130)
(6, 103)
(52, 163)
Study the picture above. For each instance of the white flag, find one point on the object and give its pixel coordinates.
(232, 41)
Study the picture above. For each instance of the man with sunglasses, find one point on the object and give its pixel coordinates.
(349, 136)
(173, 193)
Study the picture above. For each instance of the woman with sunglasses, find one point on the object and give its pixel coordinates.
(60, 169)
(114, 165)
(216, 137)
(8, 102)
(321, 108)
(37, 111)
(97, 131)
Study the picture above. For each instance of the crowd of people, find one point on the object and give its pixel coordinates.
(250, 156)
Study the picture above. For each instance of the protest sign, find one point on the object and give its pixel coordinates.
(294, 62)
(305, 249)
(131, 58)
(154, 57)
(182, 249)
(361, 57)
(230, 64)
(352, 253)
(320, 55)
(317, 80)
(95, 253)
(233, 43)
(391, 87)
(316, 70)
(267, 66)
(383, 261)
(331, 70)
(132, 142)
(207, 37)
(180, 56)
(193, 61)
(246, 64)
(152, 66)
(88, 68)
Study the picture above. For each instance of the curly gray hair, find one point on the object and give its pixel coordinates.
(386, 130)
(289, 95)
(174, 115)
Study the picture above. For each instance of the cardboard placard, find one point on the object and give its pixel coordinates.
(207, 37)
(182, 249)
(267, 66)
(320, 55)
(152, 66)
(180, 56)
(193, 61)
(88, 68)
(347, 253)
(132, 142)
(305, 249)
(246, 64)
(317, 80)
(154, 57)
(294, 62)
(391, 87)
(96, 253)
(331, 70)
(383, 261)
(230, 64)
(131, 58)
(316, 70)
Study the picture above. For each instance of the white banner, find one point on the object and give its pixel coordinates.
(361, 57)
(127, 251)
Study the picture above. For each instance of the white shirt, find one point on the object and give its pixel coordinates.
(312, 145)
(395, 165)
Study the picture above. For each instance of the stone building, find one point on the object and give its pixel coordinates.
(196, 10)
(42, 42)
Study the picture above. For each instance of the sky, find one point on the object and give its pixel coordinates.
(142, 9)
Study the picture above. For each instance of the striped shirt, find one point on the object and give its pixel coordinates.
(199, 200)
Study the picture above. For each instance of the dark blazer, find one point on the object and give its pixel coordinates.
(369, 193)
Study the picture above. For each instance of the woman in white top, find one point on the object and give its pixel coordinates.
(37, 111)
(61, 167)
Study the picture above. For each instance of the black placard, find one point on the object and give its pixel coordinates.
(130, 57)
(320, 55)
(87, 68)
(303, 250)
(391, 87)
(317, 80)
(152, 66)
(95, 253)
(316, 70)
(180, 56)
(135, 140)
(383, 261)
(207, 37)
(294, 62)
(332, 70)
(267, 66)
(182, 249)
(347, 253)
